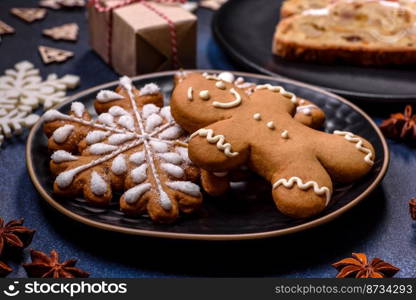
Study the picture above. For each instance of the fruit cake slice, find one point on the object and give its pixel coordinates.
(359, 32)
(292, 7)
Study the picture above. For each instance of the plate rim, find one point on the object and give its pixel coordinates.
(197, 236)
(234, 55)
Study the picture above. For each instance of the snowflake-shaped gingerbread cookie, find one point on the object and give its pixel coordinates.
(134, 146)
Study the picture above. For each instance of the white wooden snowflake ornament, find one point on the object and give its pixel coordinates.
(134, 145)
(22, 90)
(14, 121)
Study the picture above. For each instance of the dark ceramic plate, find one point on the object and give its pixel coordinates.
(247, 211)
(245, 29)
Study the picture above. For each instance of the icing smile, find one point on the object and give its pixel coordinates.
(230, 104)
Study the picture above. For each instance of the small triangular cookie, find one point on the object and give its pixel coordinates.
(67, 32)
(72, 3)
(212, 4)
(59, 4)
(5, 29)
(29, 14)
(49, 54)
(54, 4)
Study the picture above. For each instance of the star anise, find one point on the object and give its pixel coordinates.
(400, 126)
(44, 266)
(359, 267)
(14, 235)
(412, 208)
(4, 269)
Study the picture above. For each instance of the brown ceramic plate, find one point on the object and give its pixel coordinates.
(247, 211)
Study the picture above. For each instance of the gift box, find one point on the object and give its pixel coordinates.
(137, 37)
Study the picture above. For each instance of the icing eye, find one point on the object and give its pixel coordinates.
(204, 95)
(220, 85)
(190, 93)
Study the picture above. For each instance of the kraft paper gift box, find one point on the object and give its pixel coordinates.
(140, 39)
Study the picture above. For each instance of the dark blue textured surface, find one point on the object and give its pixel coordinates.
(380, 226)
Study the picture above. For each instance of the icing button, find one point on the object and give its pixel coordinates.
(285, 134)
(257, 116)
(270, 125)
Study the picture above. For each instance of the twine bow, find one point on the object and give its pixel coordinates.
(172, 30)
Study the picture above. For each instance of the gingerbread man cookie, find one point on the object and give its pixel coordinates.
(231, 128)
(134, 147)
(218, 183)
